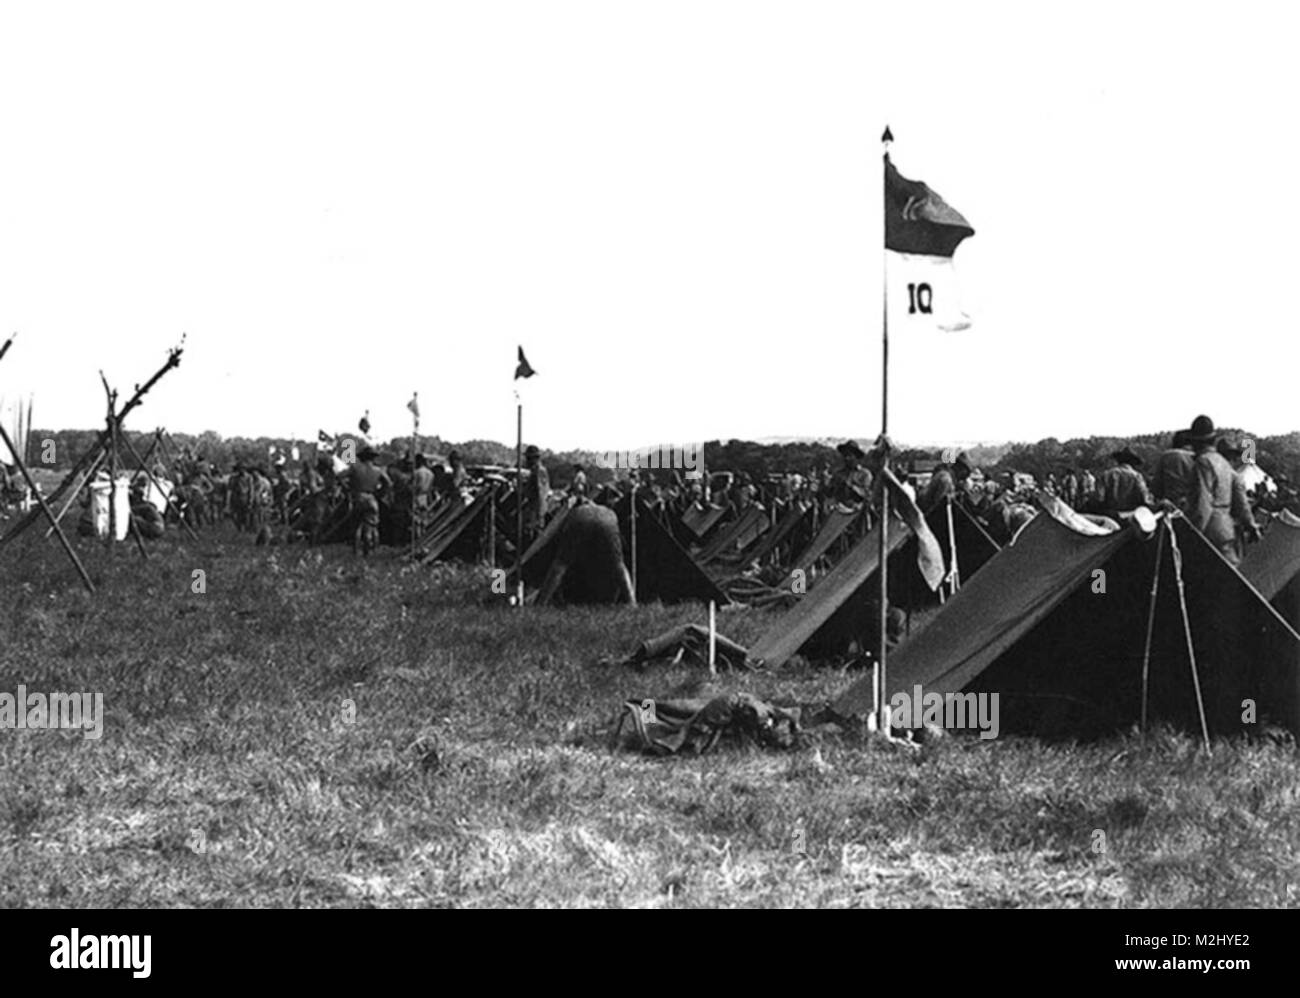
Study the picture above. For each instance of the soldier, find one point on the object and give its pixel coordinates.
(852, 483)
(281, 490)
(457, 477)
(588, 564)
(1218, 506)
(536, 493)
(578, 487)
(422, 480)
(1087, 489)
(1172, 483)
(366, 483)
(947, 483)
(1122, 489)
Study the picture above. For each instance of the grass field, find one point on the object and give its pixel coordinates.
(318, 731)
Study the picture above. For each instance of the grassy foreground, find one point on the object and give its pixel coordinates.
(314, 730)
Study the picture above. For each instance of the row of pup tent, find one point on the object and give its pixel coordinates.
(1081, 629)
(834, 613)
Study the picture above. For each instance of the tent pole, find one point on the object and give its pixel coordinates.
(1187, 631)
(72, 496)
(882, 718)
(632, 507)
(1151, 620)
(954, 572)
(519, 496)
(112, 465)
(415, 433)
(170, 502)
(40, 499)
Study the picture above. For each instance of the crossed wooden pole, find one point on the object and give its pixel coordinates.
(85, 467)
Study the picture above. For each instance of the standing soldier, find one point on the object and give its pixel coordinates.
(947, 483)
(1174, 473)
(1218, 506)
(421, 493)
(578, 487)
(366, 482)
(1122, 489)
(537, 491)
(1087, 489)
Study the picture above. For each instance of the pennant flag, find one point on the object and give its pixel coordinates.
(524, 370)
(294, 452)
(414, 405)
(923, 231)
(364, 425)
(325, 440)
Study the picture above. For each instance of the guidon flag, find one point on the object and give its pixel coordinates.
(523, 369)
(922, 231)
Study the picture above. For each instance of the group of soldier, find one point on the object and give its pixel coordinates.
(1194, 475)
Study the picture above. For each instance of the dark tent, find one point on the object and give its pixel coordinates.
(736, 536)
(796, 514)
(1272, 564)
(460, 532)
(699, 520)
(664, 570)
(837, 521)
(1063, 647)
(838, 607)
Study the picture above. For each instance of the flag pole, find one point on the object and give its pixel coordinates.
(415, 435)
(519, 495)
(882, 716)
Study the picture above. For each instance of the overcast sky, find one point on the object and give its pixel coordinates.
(675, 207)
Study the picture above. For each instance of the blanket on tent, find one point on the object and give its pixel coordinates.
(670, 727)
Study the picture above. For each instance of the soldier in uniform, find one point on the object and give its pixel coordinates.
(366, 483)
(1175, 470)
(947, 483)
(1122, 489)
(536, 494)
(1218, 506)
(851, 485)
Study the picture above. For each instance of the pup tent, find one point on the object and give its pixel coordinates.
(1272, 565)
(732, 539)
(665, 571)
(466, 531)
(1066, 648)
(838, 607)
(796, 515)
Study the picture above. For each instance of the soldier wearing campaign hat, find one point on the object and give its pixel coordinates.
(1218, 505)
(1122, 489)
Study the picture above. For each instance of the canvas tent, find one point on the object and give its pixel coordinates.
(699, 520)
(664, 570)
(736, 536)
(836, 609)
(459, 530)
(796, 514)
(1272, 564)
(837, 521)
(1065, 657)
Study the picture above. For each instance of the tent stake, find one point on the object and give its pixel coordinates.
(1187, 631)
(713, 638)
(1151, 620)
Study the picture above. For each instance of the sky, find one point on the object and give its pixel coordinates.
(674, 207)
